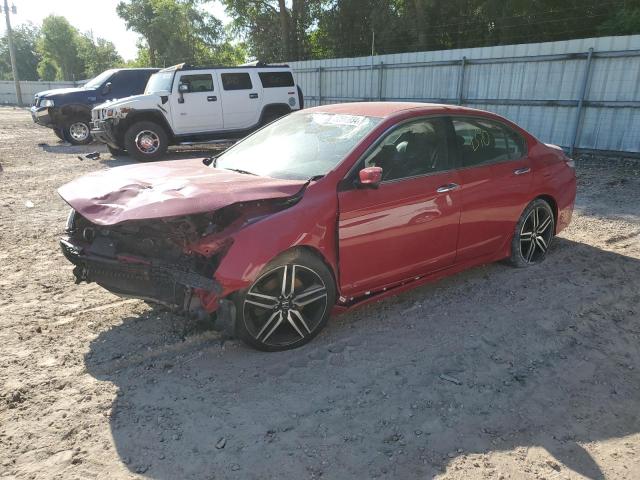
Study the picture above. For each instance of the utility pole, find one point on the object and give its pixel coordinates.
(12, 52)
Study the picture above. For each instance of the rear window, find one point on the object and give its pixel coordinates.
(236, 81)
(276, 79)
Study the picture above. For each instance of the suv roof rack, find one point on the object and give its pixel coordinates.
(256, 64)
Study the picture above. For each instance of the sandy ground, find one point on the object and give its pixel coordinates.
(546, 361)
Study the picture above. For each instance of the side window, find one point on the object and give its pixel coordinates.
(276, 79)
(418, 148)
(482, 142)
(236, 81)
(198, 83)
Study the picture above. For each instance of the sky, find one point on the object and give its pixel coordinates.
(98, 16)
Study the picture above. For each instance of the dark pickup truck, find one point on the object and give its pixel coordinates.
(68, 110)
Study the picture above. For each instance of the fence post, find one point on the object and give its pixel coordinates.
(583, 92)
(319, 85)
(380, 79)
(463, 61)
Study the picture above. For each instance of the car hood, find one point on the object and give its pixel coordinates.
(61, 91)
(167, 189)
(129, 101)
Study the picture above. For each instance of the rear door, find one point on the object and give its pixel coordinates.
(496, 181)
(241, 99)
(199, 110)
(409, 225)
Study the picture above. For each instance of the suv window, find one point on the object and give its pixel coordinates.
(198, 83)
(481, 142)
(276, 79)
(417, 148)
(236, 81)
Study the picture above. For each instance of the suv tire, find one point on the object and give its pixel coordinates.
(146, 141)
(77, 131)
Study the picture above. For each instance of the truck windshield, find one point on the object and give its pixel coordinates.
(160, 82)
(298, 146)
(99, 80)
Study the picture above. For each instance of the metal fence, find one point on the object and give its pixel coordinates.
(29, 89)
(582, 94)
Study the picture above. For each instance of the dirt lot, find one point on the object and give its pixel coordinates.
(546, 360)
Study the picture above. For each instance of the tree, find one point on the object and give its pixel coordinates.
(262, 22)
(176, 31)
(97, 55)
(25, 38)
(59, 45)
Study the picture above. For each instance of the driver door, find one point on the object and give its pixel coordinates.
(408, 226)
(199, 109)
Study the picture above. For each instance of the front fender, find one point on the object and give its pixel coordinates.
(309, 223)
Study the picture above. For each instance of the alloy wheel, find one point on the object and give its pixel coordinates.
(285, 305)
(79, 131)
(536, 234)
(147, 141)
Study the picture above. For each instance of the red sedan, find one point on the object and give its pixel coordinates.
(319, 212)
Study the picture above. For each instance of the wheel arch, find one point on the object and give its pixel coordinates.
(144, 115)
(280, 109)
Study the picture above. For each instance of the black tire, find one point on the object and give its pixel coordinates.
(273, 316)
(116, 152)
(533, 234)
(59, 133)
(77, 131)
(146, 141)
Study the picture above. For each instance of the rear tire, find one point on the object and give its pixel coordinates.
(533, 234)
(146, 141)
(288, 304)
(77, 131)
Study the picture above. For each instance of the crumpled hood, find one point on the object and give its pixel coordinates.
(167, 189)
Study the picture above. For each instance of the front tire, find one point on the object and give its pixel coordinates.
(146, 141)
(533, 235)
(77, 131)
(288, 304)
(116, 152)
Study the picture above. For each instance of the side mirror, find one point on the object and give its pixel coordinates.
(182, 89)
(370, 177)
(106, 89)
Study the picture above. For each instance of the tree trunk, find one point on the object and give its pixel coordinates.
(284, 30)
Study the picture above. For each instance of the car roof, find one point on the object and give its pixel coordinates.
(389, 109)
(248, 66)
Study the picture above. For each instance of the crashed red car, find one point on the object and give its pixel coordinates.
(319, 212)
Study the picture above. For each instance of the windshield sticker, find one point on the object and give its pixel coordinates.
(350, 120)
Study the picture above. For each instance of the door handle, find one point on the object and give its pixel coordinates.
(521, 171)
(447, 188)
(253, 95)
(212, 98)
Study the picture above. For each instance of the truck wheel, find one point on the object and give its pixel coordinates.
(77, 131)
(116, 152)
(146, 141)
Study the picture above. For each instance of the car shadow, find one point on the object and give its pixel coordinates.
(492, 359)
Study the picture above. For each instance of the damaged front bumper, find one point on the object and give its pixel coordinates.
(104, 131)
(148, 279)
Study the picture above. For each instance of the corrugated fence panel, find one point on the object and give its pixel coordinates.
(28, 89)
(538, 86)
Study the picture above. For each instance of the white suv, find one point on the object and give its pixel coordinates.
(185, 104)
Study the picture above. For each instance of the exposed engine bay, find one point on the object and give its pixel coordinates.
(171, 261)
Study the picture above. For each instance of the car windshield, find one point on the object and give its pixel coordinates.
(298, 146)
(159, 82)
(99, 80)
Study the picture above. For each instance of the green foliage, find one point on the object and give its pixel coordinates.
(47, 70)
(97, 55)
(58, 44)
(25, 38)
(177, 31)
